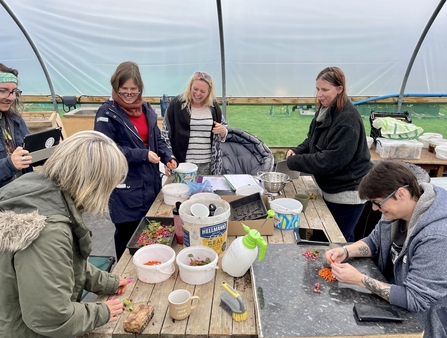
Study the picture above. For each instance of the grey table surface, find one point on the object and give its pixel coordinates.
(288, 306)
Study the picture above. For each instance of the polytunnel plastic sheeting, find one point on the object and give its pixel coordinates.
(273, 48)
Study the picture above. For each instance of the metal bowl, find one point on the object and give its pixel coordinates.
(274, 182)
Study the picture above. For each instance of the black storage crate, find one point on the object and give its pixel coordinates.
(165, 221)
(248, 208)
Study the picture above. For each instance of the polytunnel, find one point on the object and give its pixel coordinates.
(256, 50)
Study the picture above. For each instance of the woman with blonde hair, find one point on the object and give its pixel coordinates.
(44, 243)
(194, 126)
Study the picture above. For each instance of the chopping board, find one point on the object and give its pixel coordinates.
(288, 306)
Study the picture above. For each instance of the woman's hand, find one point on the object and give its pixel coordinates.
(115, 308)
(290, 152)
(153, 157)
(346, 273)
(21, 159)
(171, 165)
(219, 129)
(336, 255)
(122, 285)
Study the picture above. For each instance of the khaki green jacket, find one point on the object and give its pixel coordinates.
(44, 246)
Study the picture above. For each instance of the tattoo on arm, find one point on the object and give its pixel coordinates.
(379, 288)
(364, 250)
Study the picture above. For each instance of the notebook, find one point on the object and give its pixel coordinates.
(42, 144)
(281, 167)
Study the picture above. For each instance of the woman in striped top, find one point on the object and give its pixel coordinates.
(194, 126)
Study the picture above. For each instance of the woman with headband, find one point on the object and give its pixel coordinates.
(14, 160)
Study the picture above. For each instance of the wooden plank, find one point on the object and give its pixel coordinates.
(323, 214)
(241, 100)
(221, 325)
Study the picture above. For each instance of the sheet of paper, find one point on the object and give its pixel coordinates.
(217, 183)
(237, 181)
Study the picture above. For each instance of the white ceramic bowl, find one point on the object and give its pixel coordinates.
(200, 210)
(174, 192)
(200, 274)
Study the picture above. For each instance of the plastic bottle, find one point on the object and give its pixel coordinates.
(178, 223)
(242, 252)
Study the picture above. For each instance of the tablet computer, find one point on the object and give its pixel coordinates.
(310, 236)
(41, 144)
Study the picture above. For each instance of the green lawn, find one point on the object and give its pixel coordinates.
(282, 130)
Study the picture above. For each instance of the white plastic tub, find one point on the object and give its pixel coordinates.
(174, 192)
(201, 274)
(441, 152)
(154, 273)
(369, 141)
(425, 138)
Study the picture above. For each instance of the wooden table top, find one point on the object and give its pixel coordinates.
(428, 161)
(210, 319)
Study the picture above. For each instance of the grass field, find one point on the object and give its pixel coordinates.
(282, 130)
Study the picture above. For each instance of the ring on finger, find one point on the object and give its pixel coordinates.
(23, 158)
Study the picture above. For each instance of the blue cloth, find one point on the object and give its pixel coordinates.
(7, 169)
(131, 200)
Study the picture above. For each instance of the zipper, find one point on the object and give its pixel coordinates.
(125, 125)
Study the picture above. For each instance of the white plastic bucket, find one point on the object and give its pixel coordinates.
(200, 274)
(175, 192)
(204, 196)
(185, 172)
(288, 213)
(209, 231)
(154, 273)
(425, 138)
(441, 152)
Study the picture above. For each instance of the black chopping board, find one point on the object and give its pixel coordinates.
(288, 306)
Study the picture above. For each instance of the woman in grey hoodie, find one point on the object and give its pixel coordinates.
(408, 243)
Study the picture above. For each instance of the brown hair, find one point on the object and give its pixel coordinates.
(125, 71)
(387, 176)
(335, 77)
(16, 106)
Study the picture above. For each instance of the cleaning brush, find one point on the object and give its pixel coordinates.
(234, 301)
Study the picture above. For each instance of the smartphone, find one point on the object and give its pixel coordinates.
(377, 313)
(310, 236)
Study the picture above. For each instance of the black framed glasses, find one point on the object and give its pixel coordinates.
(129, 94)
(4, 93)
(379, 204)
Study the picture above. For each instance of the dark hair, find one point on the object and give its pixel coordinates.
(125, 71)
(386, 177)
(335, 77)
(16, 106)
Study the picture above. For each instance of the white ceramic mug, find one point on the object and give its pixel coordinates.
(180, 304)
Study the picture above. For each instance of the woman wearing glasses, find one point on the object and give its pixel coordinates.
(335, 151)
(408, 243)
(194, 126)
(132, 124)
(14, 160)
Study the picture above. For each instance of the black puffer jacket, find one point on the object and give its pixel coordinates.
(335, 151)
(244, 153)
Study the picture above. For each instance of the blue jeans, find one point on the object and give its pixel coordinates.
(346, 216)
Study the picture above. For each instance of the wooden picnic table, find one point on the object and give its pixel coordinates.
(428, 161)
(209, 319)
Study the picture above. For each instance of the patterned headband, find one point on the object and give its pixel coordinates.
(8, 77)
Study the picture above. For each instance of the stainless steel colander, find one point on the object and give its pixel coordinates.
(274, 182)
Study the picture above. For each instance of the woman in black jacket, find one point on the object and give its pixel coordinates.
(335, 150)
